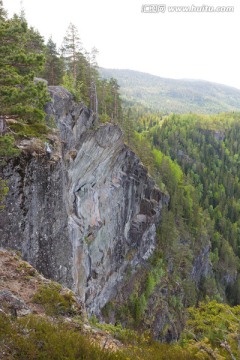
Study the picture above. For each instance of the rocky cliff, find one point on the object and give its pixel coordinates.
(88, 213)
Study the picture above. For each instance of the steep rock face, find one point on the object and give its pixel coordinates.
(88, 213)
(35, 219)
(114, 208)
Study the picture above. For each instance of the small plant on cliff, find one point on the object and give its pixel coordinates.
(3, 192)
(7, 149)
(53, 301)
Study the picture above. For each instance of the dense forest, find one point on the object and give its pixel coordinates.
(207, 150)
(194, 159)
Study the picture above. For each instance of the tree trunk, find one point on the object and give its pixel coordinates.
(2, 125)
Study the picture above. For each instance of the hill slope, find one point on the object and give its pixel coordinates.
(171, 95)
(40, 306)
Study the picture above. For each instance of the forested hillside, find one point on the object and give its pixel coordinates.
(196, 159)
(172, 95)
(207, 150)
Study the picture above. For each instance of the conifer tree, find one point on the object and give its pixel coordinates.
(53, 69)
(71, 54)
(20, 97)
(81, 78)
(71, 48)
(3, 13)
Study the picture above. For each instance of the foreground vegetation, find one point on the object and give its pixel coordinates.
(212, 332)
(56, 327)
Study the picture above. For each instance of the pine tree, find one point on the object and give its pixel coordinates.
(70, 50)
(92, 79)
(53, 69)
(20, 97)
(114, 90)
(72, 57)
(3, 13)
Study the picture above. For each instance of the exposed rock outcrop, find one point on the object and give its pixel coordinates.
(13, 303)
(78, 215)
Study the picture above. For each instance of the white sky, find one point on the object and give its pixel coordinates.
(175, 45)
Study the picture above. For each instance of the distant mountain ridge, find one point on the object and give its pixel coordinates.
(174, 95)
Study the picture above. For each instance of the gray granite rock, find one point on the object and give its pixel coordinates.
(11, 303)
(86, 214)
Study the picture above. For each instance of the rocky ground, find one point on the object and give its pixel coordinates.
(19, 282)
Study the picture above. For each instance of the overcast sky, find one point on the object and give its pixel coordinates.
(197, 45)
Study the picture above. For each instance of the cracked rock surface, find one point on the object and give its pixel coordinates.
(84, 217)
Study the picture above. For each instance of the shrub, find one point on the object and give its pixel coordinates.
(29, 130)
(35, 338)
(7, 146)
(53, 301)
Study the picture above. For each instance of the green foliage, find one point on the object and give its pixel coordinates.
(69, 84)
(104, 118)
(142, 346)
(35, 338)
(53, 67)
(20, 59)
(3, 192)
(134, 310)
(53, 301)
(218, 323)
(27, 131)
(126, 336)
(154, 277)
(76, 70)
(7, 148)
(3, 12)
(22, 98)
(109, 100)
(206, 148)
(186, 227)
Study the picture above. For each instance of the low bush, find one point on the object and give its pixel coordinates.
(35, 338)
(54, 302)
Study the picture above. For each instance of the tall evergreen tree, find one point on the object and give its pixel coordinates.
(81, 78)
(71, 54)
(53, 69)
(92, 76)
(20, 96)
(70, 49)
